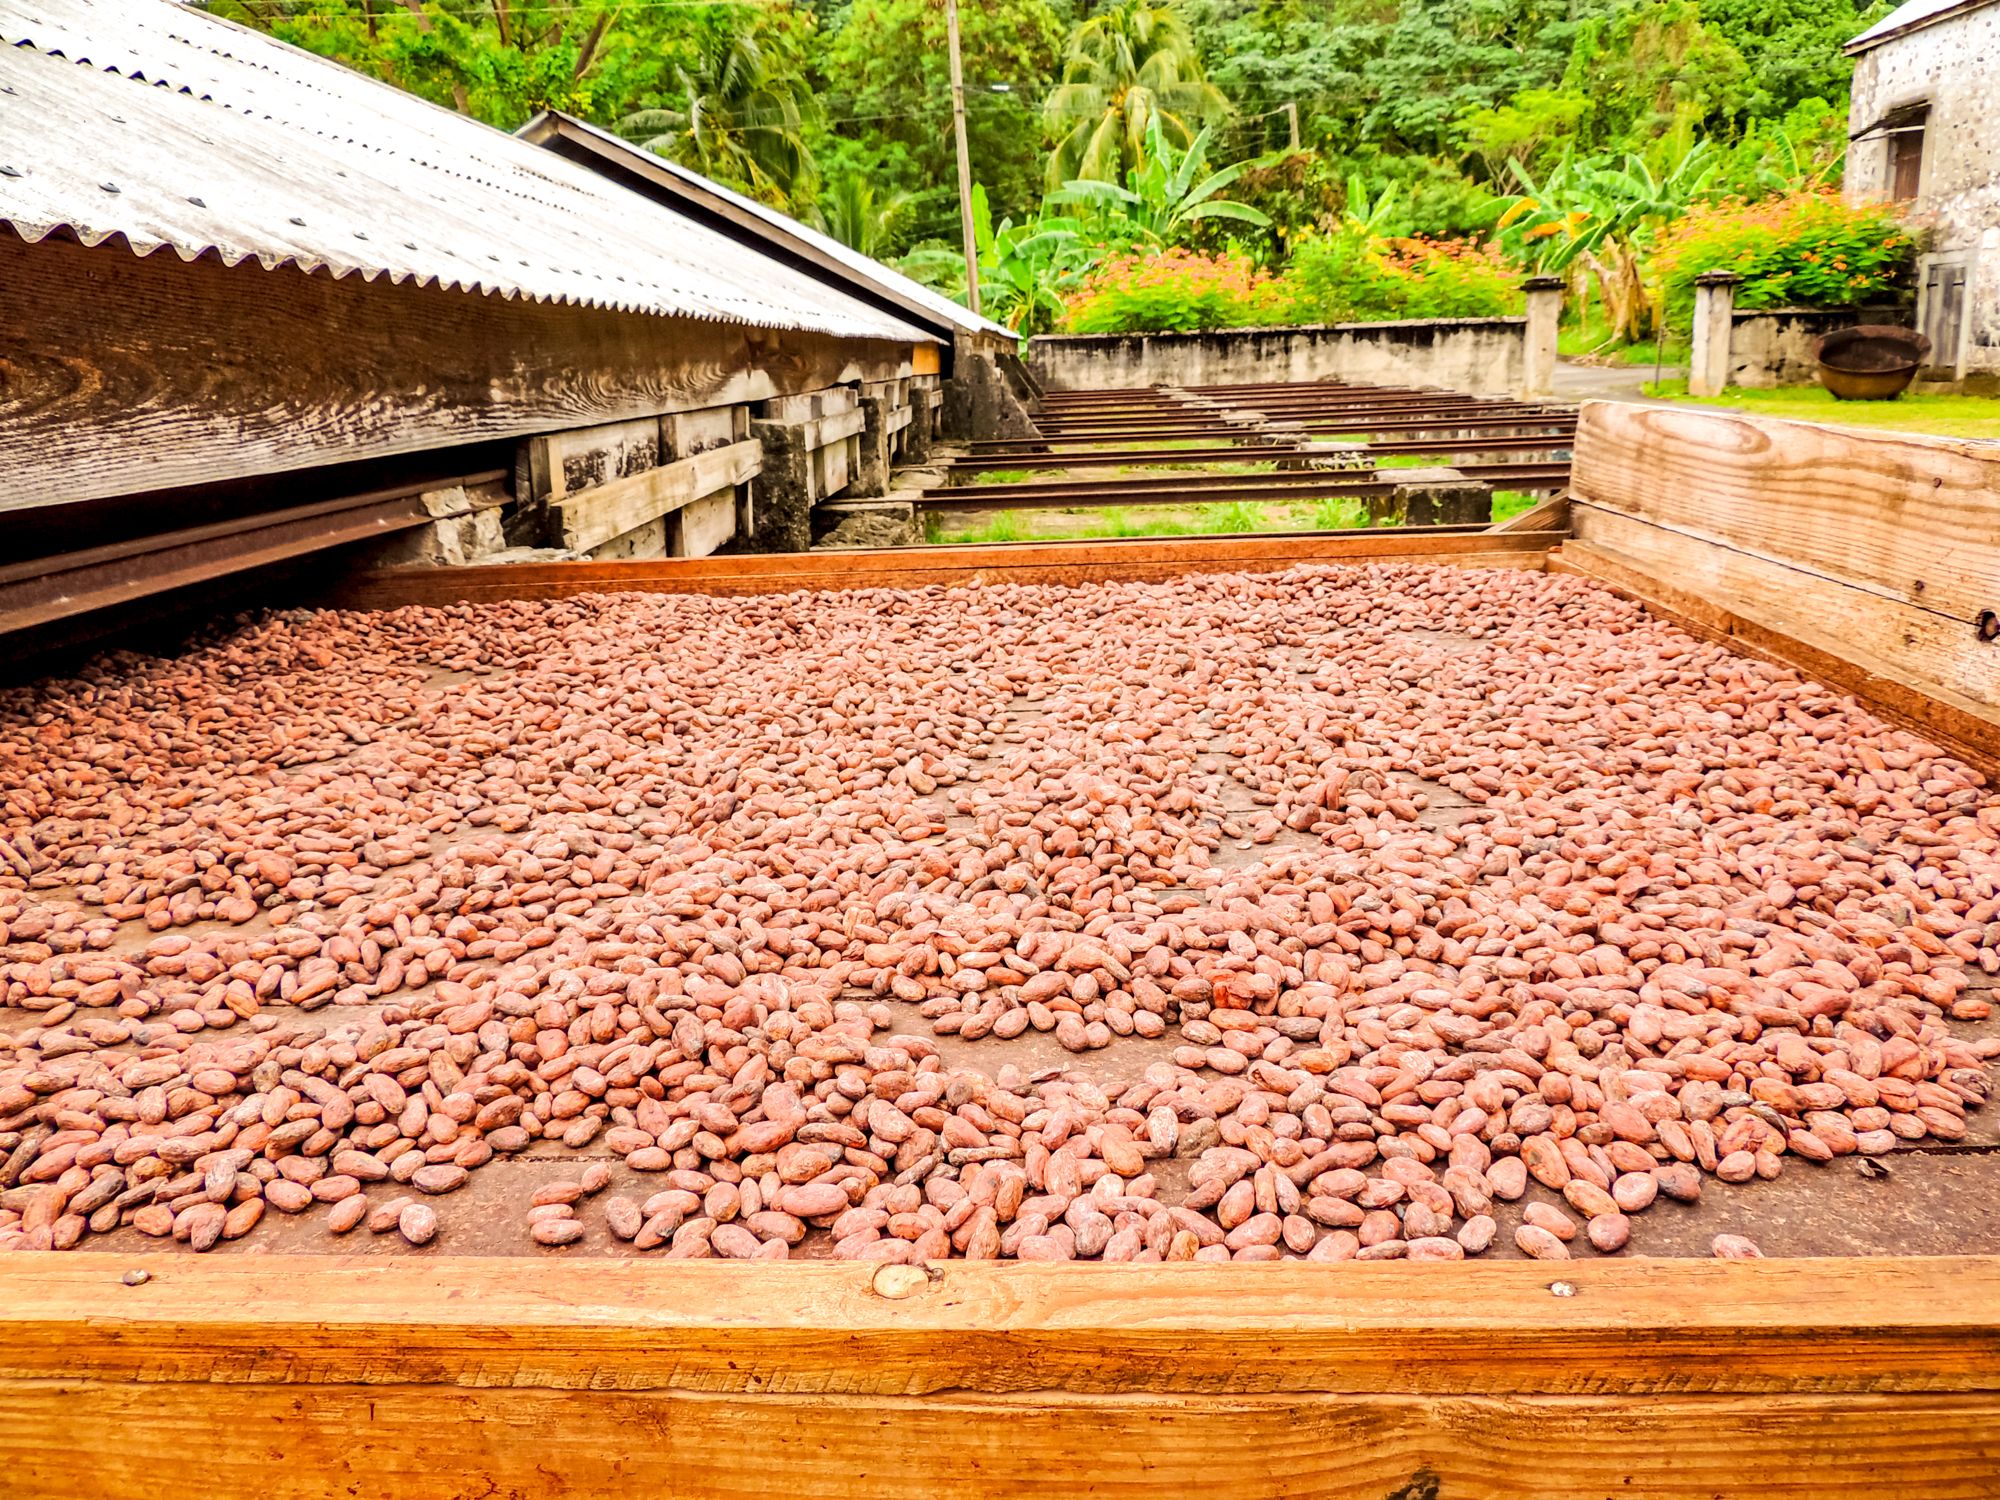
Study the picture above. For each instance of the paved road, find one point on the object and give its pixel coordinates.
(1579, 382)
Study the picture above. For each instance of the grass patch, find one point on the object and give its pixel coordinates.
(1216, 518)
(1003, 476)
(1590, 341)
(1939, 415)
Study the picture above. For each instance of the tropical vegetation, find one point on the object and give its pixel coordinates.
(1202, 163)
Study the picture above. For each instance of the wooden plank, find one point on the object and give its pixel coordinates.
(705, 524)
(1677, 1380)
(123, 1442)
(1632, 1326)
(691, 432)
(1967, 729)
(585, 457)
(1551, 514)
(824, 432)
(127, 374)
(1934, 654)
(1911, 518)
(1136, 559)
(589, 518)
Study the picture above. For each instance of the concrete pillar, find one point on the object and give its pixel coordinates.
(918, 435)
(1440, 497)
(871, 468)
(784, 491)
(1714, 308)
(1538, 370)
(980, 401)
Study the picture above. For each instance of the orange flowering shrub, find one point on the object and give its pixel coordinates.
(1171, 291)
(1334, 278)
(1806, 249)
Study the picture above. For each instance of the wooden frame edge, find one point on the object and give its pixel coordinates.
(438, 1378)
(1924, 709)
(1628, 1325)
(1138, 559)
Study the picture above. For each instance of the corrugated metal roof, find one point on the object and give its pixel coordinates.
(1908, 17)
(171, 128)
(848, 263)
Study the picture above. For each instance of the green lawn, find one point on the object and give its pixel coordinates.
(1943, 416)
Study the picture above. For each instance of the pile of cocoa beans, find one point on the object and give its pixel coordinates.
(1398, 887)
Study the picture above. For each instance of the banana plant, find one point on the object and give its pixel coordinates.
(1168, 192)
(1024, 269)
(1604, 216)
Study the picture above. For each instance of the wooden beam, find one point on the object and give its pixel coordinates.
(126, 374)
(1672, 1380)
(1880, 547)
(1137, 559)
(1708, 606)
(589, 518)
(1551, 514)
(1911, 518)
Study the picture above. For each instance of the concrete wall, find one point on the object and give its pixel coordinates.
(1774, 347)
(1951, 66)
(1485, 356)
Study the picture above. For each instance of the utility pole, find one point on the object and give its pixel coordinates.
(964, 158)
(1292, 114)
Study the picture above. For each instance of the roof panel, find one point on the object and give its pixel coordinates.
(1907, 17)
(773, 226)
(168, 128)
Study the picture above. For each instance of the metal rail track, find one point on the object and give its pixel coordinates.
(1203, 488)
(1551, 442)
(46, 589)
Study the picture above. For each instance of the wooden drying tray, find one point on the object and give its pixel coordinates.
(427, 1376)
(437, 1378)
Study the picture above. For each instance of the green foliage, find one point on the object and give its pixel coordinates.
(852, 213)
(1024, 269)
(1806, 249)
(1125, 69)
(1604, 215)
(1173, 291)
(1792, 48)
(1353, 276)
(740, 116)
(885, 74)
(1166, 196)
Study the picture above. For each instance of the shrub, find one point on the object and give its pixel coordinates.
(1448, 279)
(1347, 277)
(1805, 249)
(1344, 277)
(1170, 291)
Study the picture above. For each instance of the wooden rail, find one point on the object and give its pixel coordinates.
(439, 1378)
(1138, 559)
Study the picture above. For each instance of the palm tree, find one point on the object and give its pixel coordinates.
(1126, 67)
(852, 214)
(743, 120)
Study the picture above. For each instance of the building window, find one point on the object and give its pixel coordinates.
(1906, 162)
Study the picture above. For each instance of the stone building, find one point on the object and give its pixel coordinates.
(1925, 122)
